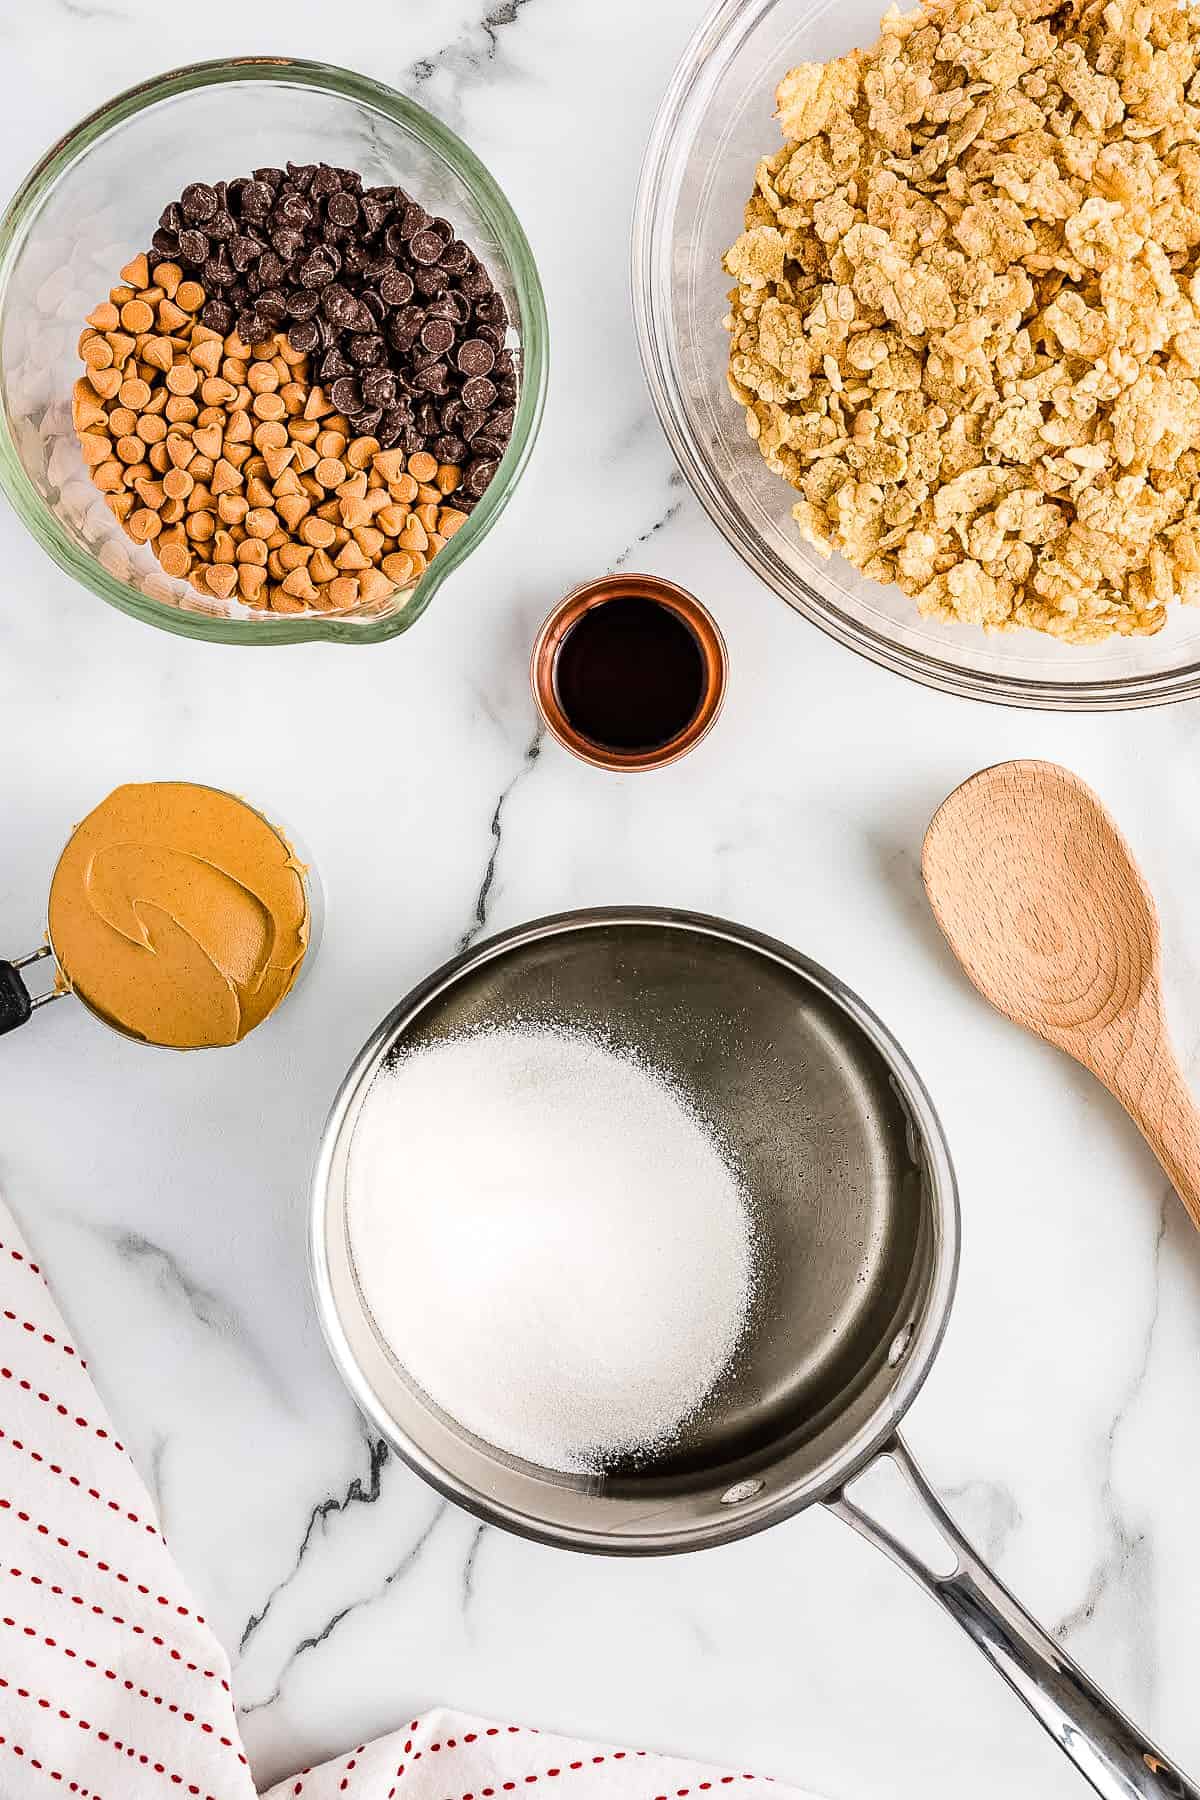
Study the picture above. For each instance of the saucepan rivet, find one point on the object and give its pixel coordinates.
(741, 1490)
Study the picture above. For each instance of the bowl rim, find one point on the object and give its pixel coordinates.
(728, 22)
(41, 521)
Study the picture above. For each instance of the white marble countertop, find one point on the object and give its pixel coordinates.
(166, 1195)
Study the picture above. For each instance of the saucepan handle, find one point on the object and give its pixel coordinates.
(17, 1004)
(1104, 1745)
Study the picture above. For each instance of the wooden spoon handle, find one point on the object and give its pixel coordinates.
(1160, 1104)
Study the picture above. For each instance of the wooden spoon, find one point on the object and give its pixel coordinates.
(1041, 901)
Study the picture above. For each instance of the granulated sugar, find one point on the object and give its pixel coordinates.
(551, 1240)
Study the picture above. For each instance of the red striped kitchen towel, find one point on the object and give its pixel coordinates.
(112, 1685)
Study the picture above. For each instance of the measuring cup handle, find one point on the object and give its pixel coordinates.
(1105, 1746)
(17, 1004)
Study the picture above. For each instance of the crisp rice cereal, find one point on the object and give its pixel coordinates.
(966, 326)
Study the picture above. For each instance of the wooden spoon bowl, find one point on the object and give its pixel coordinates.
(1041, 900)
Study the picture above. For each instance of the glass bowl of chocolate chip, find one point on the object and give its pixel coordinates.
(273, 353)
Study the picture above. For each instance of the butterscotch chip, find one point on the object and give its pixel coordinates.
(170, 317)
(292, 508)
(177, 484)
(143, 524)
(448, 477)
(121, 505)
(404, 489)
(270, 435)
(175, 559)
(261, 521)
(322, 567)
(151, 428)
(373, 585)
(451, 520)
(207, 439)
(130, 449)
(150, 493)
(343, 592)
(108, 476)
(398, 567)
(221, 578)
(360, 451)
(422, 466)
(180, 409)
(225, 478)
(137, 316)
(224, 546)
(121, 421)
(182, 378)
(159, 352)
(252, 550)
(428, 515)
(104, 317)
(232, 508)
(97, 353)
(189, 294)
(414, 536)
(96, 448)
(206, 354)
(201, 526)
(330, 471)
(173, 511)
(137, 272)
(317, 532)
(251, 581)
(168, 275)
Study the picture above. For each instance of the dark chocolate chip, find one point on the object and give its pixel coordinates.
(193, 246)
(489, 447)
(402, 332)
(491, 334)
(288, 242)
(302, 303)
(354, 258)
(244, 252)
(255, 201)
(218, 315)
(425, 247)
(427, 418)
(165, 242)
(501, 422)
(454, 257)
(342, 209)
(478, 394)
(171, 217)
(437, 335)
(333, 364)
(365, 422)
(476, 282)
(435, 379)
(316, 270)
(396, 288)
(295, 211)
(475, 357)
(431, 280)
(372, 304)
(199, 201)
(471, 424)
(413, 219)
(367, 349)
(451, 413)
(304, 337)
(377, 210)
(449, 449)
(478, 476)
(504, 364)
(272, 177)
(339, 305)
(346, 395)
(378, 387)
(251, 329)
(490, 307)
(221, 226)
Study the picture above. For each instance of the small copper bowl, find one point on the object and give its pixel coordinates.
(594, 593)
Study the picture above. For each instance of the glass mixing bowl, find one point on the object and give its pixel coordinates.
(715, 123)
(93, 201)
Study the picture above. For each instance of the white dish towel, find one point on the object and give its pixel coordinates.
(113, 1687)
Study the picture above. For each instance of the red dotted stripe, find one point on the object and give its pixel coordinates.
(69, 1786)
(113, 1506)
(130, 1687)
(106, 1737)
(47, 1337)
(17, 1257)
(64, 1412)
(98, 1563)
(100, 1612)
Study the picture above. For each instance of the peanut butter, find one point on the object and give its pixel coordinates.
(178, 914)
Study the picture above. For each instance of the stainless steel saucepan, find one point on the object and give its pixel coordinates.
(857, 1220)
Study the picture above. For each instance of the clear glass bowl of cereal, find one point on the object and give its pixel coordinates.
(94, 202)
(715, 122)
